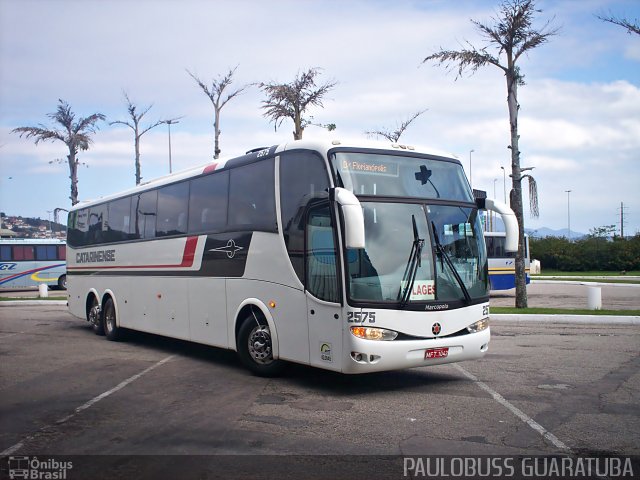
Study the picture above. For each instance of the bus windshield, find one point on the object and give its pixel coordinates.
(453, 259)
(401, 176)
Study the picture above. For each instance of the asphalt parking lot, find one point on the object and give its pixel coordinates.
(542, 389)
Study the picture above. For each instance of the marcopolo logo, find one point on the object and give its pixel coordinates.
(32, 468)
(325, 352)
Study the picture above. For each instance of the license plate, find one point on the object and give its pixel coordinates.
(436, 352)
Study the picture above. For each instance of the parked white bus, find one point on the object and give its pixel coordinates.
(27, 262)
(348, 257)
(502, 263)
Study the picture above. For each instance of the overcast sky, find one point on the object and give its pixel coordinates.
(579, 116)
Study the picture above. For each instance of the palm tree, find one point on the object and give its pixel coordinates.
(512, 35)
(291, 100)
(76, 135)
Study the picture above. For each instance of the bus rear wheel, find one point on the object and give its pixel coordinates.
(111, 329)
(94, 317)
(62, 282)
(255, 347)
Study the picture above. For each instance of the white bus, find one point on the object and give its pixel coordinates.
(26, 262)
(502, 263)
(349, 257)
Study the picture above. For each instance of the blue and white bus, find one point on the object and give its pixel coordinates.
(353, 257)
(502, 263)
(31, 262)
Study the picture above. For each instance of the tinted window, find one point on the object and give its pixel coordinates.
(208, 203)
(144, 205)
(98, 224)
(119, 220)
(23, 253)
(303, 177)
(46, 252)
(251, 197)
(78, 228)
(173, 202)
(322, 280)
(62, 252)
(5, 253)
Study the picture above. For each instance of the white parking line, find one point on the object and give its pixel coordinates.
(11, 450)
(515, 410)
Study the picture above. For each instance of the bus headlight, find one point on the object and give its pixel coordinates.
(479, 325)
(371, 333)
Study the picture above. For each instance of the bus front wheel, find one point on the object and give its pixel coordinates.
(62, 282)
(255, 347)
(111, 329)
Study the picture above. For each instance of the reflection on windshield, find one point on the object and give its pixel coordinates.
(401, 176)
(459, 232)
(377, 272)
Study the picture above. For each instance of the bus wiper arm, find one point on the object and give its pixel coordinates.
(413, 264)
(445, 256)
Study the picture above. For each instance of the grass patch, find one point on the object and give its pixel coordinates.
(563, 311)
(592, 280)
(6, 299)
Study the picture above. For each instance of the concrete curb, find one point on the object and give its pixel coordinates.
(31, 303)
(562, 318)
(496, 317)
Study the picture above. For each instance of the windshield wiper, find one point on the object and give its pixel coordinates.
(445, 256)
(413, 264)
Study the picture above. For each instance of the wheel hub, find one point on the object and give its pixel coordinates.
(260, 345)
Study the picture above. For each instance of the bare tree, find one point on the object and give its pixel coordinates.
(291, 100)
(215, 94)
(76, 135)
(134, 124)
(513, 35)
(632, 27)
(394, 136)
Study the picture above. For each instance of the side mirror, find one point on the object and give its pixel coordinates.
(508, 218)
(353, 217)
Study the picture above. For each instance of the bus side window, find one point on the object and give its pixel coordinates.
(173, 201)
(208, 203)
(5, 254)
(252, 203)
(303, 177)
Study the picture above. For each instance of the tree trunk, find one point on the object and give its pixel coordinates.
(137, 147)
(216, 138)
(297, 123)
(516, 197)
(73, 175)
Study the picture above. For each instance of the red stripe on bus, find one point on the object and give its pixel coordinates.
(188, 255)
(210, 168)
(189, 252)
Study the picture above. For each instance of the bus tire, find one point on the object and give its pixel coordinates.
(94, 316)
(255, 348)
(111, 329)
(62, 282)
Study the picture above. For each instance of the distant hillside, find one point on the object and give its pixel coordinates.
(29, 227)
(548, 232)
(541, 232)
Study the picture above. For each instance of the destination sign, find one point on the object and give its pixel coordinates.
(370, 167)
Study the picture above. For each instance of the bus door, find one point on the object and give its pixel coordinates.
(323, 289)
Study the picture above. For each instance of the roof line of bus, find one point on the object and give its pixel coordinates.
(255, 154)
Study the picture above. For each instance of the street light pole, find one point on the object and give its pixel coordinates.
(493, 217)
(568, 192)
(470, 182)
(504, 183)
(169, 123)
